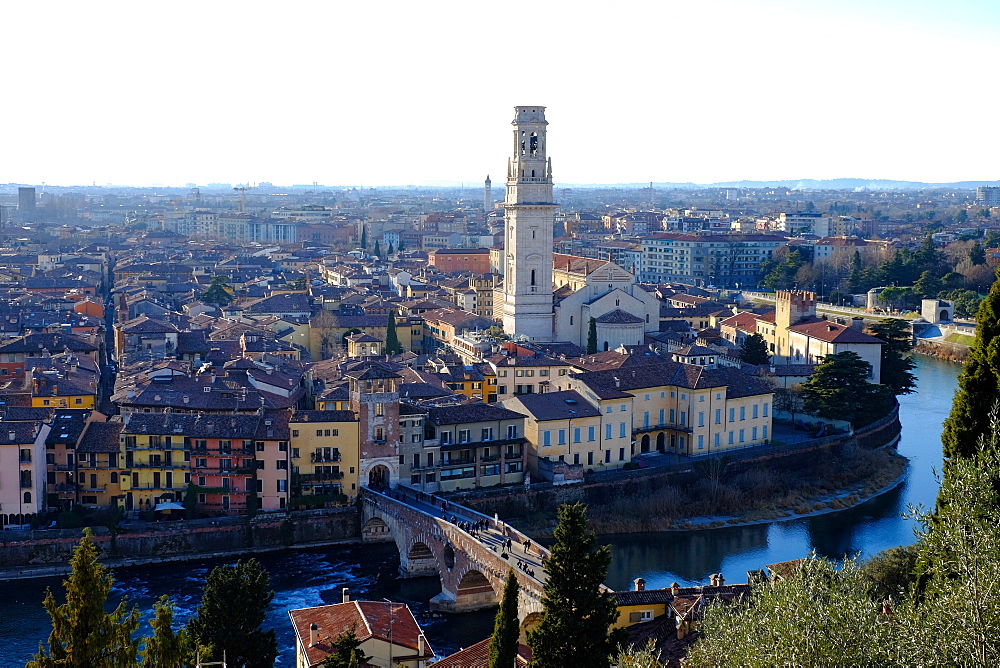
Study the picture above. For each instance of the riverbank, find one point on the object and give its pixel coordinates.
(944, 350)
(716, 494)
(46, 552)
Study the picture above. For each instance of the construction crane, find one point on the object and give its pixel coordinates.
(242, 190)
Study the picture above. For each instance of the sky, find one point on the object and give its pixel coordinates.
(355, 93)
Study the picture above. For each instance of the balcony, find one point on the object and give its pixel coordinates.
(662, 427)
(458, 462)
(216, 452)
(64, 468)
(305, 478)
(318, 458)
(66, 487)
(156, 465)
(483, 444)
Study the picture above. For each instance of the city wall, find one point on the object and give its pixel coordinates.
(46, 552)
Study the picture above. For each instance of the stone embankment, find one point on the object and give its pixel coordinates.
(42, 553)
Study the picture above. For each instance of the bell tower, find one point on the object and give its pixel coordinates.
(529, 214)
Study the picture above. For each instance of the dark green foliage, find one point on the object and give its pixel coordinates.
(977, 255)
(506, 628)
(966, 302)
(219, 292)
(984, 213)
(891, 572)
(364, 237)
(755, 350)
(855, 279)
(392, 346)
(592, 337)
(780, 274)
(70, 520)
(896, 368)
(165, 649)
(390, 251)
(978, 384)
(231, 614)
(928, 285)
(377, 251)
(190, 501)
(576, 614)
(962, 216)
(839, 390)
(83, 634)
(345, 651)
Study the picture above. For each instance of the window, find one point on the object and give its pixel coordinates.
(260, 464)
(732, 415)
(546, 438)
(591, 436)
(295, 434)
(718, 416)
(701, 419)
(445, 437)
(607, 431)
(623, 408)
(701, 442)
(716, 440)
(673, 416)
(765, 410)
(576, 434)
(753, 434)
(562, 437)
(743, 412)
(512, 431)
(281, 464)
(755, 411)
(379, 410)
(621, 430)
(741, 436)
(683, 418)
(621, 454)
(464, 435)
(607, 456)
(731, 438)
(764, 431)
(608, 409)
(282, 485)
(645, 418)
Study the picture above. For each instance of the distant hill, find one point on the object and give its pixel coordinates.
(806, 184)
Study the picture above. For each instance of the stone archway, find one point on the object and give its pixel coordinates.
(419, 560)
(378, 477)
(475, 591)
(375, 530)
(531, 620)
(644, 444)
(661, 442)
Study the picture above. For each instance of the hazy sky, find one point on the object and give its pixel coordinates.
(382, 93)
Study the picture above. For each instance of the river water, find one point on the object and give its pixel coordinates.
(315, 576)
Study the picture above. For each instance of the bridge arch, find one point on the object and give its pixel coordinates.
(474, 591)
(375, 529)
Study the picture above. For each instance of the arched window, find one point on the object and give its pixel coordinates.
(27, 497)
(532, 276)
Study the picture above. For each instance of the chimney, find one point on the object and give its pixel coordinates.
(858, 324)
(721, 580)
(11, 435)
(639, 584)
(345, 595)
(421, 643)
(712, 580)
(675, 589)
(313, 635)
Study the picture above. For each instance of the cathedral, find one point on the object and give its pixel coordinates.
(548, 297)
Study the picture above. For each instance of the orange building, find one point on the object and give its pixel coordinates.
(453, 260)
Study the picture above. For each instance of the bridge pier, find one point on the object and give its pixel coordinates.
(474, 593)
(418, 561)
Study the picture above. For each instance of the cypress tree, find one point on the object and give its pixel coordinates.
(165, 649)
(391, 251)
(83, 634)
(978, 384)
(364, 237)
(592, 337)
(896, 370)
(392, 346)
(576, 614)
(231, 615)
(503, 642)
(755, 350)
(377, 252)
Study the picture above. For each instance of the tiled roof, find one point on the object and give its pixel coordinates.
(193, 425)
(619, 383)
(556, 405)
(619, 317)
(371, 619)
(323, 416)
(833, 332)
(467, 413)
(478, 656)
(53, 342)
(101, 437)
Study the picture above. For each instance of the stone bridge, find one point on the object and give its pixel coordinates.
(471, 567)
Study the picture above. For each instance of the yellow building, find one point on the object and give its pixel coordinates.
(563, 426)
(521, 371)
(155, 463)
(325, 453)
(52, 389)
(97, 464)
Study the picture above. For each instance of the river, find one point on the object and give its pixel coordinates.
(315, 576)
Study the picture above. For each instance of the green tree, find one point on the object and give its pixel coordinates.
(377, 251)
(83, 634)
(896, 370)
(819, 616)
(966, 302)
(896, 297)
(576, 613)
(392, 346)
(977, 254)
(592, 337)
(219, 292)
(984, 213)
(638, 657)
(230, 617)
(165, 648)
(928, 285)
(391, 251)
(190, 501)
(962, 216)
(891, 573)
(855, 279)
(978, 384)
(399, 249)
(755, 350)
(346, 652)
(364, 237)
(839, 390)
(506, 628)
